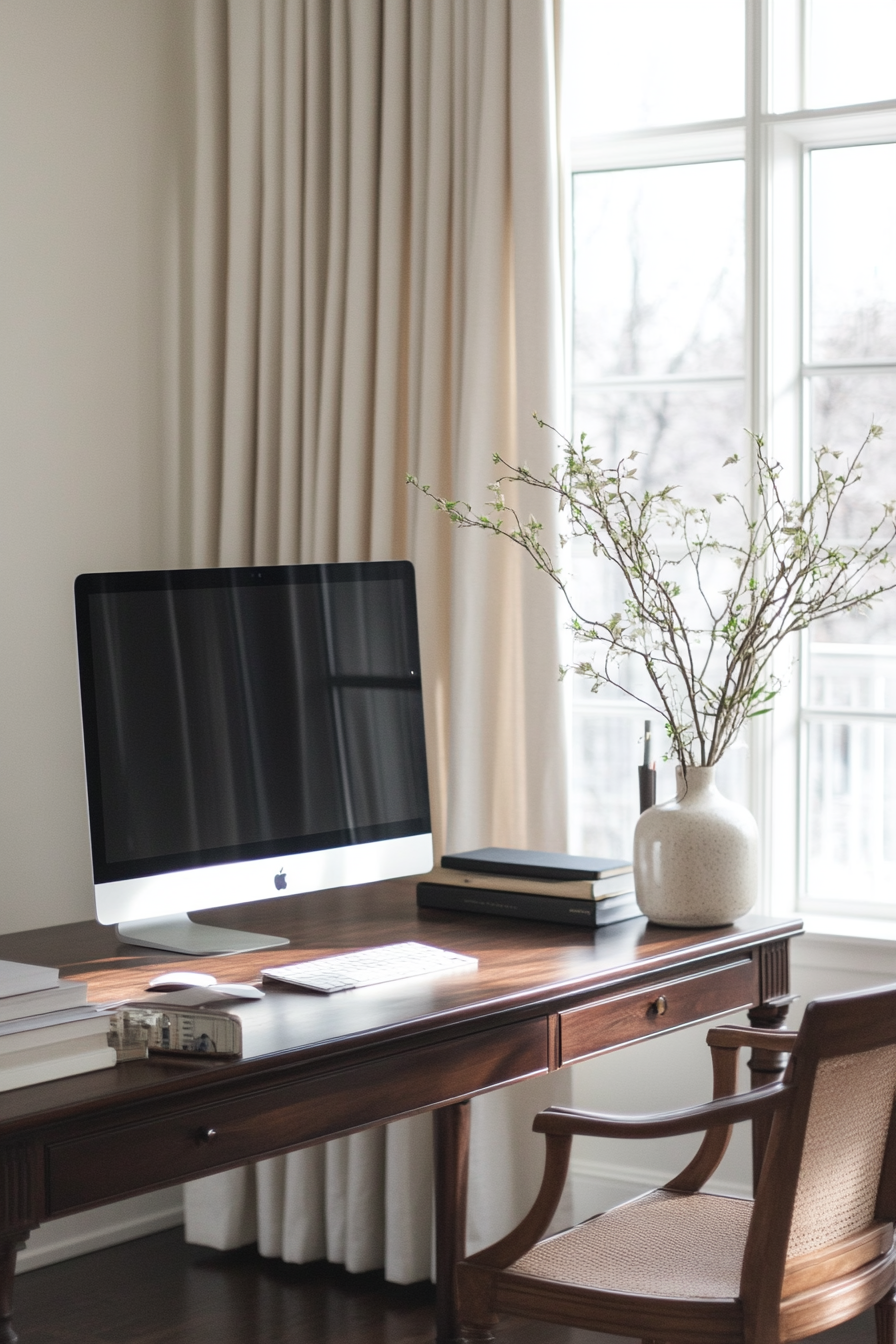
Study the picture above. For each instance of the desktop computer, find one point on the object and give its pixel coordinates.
(248, 733)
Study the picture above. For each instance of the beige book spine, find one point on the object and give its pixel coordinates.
(575, 891)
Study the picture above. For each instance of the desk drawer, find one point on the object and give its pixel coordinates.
(112, 1163)
(609, 1023)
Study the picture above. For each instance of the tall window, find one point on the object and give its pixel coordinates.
(733, 229)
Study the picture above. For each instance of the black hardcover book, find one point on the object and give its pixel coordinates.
(520, 905)
(536, 863)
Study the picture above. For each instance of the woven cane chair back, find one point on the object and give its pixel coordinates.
(843, 1152)
(830, 1153)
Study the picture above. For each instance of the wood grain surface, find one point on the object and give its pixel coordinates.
(318, 1066)
(524, 970)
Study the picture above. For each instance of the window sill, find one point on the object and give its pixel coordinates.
(847, 943)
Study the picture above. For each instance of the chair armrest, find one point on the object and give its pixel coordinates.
(730, 1038)
(723, 1111)
(538, 1219)
(725, 1042)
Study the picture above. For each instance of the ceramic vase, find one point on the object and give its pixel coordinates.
(696, 856)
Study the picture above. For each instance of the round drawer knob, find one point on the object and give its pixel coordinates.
(659, 1006)
(206, 1134)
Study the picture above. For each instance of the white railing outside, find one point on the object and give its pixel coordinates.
(849, 778)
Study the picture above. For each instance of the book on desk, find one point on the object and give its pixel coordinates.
(48, 1030)
(532, 884)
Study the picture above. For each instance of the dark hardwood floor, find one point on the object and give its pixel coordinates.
(159, 1291)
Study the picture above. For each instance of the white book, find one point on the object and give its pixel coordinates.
(36, 1054)
(18, 977)
(80, 1024)
(45, 1070)
(67, 994)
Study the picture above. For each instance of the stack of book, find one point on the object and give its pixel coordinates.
(531, 884)
(47, 1028)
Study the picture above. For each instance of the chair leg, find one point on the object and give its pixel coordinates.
(477, 1316)
(885, 1318)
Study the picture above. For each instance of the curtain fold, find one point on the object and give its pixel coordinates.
(375, 290)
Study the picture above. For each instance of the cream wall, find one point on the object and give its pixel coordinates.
(90, 94)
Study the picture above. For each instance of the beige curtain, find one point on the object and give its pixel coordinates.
(374, 290)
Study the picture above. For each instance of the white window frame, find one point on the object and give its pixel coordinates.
(775, 147)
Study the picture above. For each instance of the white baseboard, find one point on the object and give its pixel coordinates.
(81, 1233)
(597, 1186)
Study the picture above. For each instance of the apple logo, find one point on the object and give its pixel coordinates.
(280, 881)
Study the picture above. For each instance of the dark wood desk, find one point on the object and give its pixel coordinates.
(544, 997)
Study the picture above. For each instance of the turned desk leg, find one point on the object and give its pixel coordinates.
(8, 1250)
(451, 1133)
(766, 1066)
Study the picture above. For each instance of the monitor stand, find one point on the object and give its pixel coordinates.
(178, 933)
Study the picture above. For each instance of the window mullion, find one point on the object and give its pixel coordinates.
(756, 364)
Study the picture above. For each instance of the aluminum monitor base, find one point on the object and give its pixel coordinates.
(178, 933)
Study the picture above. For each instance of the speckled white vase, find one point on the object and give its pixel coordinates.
(697, 856)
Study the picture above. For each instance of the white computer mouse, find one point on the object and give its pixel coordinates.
(182, 980)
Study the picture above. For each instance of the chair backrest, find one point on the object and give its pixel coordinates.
(831, 1160)
(843, 1150)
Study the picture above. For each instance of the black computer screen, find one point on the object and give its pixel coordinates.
(244, 713)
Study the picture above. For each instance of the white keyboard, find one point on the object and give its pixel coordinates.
(372, 966)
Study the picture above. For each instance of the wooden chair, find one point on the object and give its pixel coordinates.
(813, 1249)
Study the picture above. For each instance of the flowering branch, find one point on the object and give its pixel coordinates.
(706, 678)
